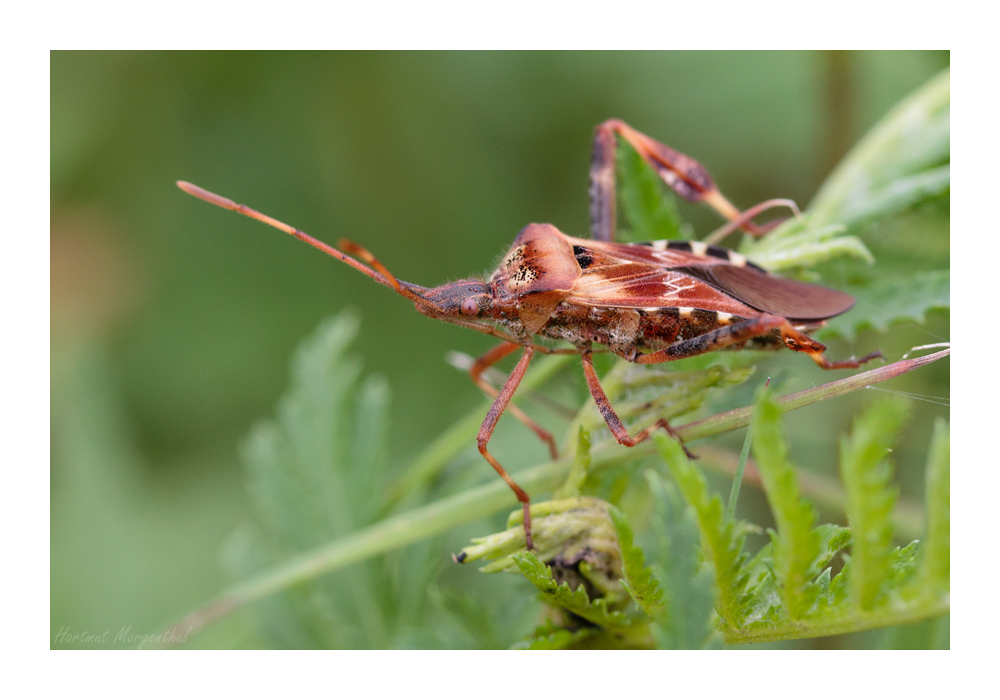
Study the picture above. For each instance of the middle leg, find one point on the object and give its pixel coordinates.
(615, 424)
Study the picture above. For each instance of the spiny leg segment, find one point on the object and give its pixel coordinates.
(686, 176)
(743, 331)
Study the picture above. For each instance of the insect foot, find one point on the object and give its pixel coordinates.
(574, 536)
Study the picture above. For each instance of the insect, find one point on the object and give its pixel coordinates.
(645, 302)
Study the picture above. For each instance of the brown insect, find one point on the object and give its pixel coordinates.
(646, 302)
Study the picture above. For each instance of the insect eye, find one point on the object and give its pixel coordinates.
(470, 307)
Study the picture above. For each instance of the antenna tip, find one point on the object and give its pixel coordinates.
(209, 197)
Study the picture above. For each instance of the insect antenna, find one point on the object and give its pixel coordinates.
(380, 274)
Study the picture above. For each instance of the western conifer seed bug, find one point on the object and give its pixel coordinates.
(645, 302)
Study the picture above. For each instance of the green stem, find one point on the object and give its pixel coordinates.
(740, 417)
(426, 521)
(734, 491)
(852, 622)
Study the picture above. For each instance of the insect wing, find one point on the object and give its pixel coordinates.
(627, 276)
(796, 301)
(664, 274)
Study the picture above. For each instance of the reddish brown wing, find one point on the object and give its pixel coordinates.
(691, 274)
(638, 276)
(796, 301)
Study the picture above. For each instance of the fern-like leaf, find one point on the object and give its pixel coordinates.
(721, 539)
(640, 581)
(575, 601)
(935, 568)
(870, 496)
(796, 544)
(798, 244)
(689, 591)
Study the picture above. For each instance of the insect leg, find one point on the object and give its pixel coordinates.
(486, 431)
(745, 330)
(476, 373)
(615, 424)
(685, 176)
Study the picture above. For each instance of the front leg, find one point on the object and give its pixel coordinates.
(486, 431)
(476, 374)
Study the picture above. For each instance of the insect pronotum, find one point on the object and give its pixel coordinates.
(645, 302)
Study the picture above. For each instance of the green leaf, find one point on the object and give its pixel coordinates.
(870, 495)
(575, 601)
(935, 568)
(551, 636)
(901, 195)
(902, 566)
(763, 592)
(800, 243)
(640, 581)
(688, 588)
(581, 462)
(796, 544)
(832, 539)
(650, 209)
(898, 164)
(316, 473)
(721, 540)
(886, 301)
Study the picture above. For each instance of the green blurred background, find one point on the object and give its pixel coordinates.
(172, 321)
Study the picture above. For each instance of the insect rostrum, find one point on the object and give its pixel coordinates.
(645, 302)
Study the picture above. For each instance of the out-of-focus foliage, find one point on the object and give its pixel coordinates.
(172, 322)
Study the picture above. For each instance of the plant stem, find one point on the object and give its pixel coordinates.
(426, 521)
(854, 622)
(734, 491)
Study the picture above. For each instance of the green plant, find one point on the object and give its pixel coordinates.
(326, 501)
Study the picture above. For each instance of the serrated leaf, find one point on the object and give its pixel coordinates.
(935, 567)
(902, 565)
(549, 637)
(799, 243)
(764, 603)
(688, 589)
(576, 602)
(316, 474)
(640, 581)
(886, 301)
(902, 195)
(721, 540)
(650, 210)
(832, 539)
(896, 164)
(796, 544)
(870, 495)
(840, 586)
